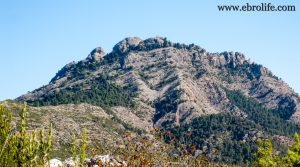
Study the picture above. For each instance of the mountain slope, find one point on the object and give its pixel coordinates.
(158, 83)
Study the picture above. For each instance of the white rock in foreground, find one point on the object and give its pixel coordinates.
(55, 163)
(69, 162)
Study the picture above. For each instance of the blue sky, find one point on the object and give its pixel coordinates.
(37, 38)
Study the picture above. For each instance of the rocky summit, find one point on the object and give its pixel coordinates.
(224, 100)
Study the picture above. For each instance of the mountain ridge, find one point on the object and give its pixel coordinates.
(126, 53)
(149, 84)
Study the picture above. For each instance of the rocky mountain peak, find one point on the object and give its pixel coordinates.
(126, 44)
(137, 44)
(96, 55)
(154, 42)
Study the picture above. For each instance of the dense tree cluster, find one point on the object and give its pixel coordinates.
(97, 92)
(207, 131)
(271, 121)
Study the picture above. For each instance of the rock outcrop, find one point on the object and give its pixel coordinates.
(96, 55)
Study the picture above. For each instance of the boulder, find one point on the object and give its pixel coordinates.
(55, 163)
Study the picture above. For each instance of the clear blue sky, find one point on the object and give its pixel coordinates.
(37, 38)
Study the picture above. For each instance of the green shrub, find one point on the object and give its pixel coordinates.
(20, 147)
(265, 157)
(83, 148)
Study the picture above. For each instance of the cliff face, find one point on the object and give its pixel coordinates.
(174, 83)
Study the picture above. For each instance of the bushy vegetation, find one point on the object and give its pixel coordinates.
(97, 92)
(272, 121)
(266, 157)
(251, 71)
(76, 70)
(19, 147)
(150, 151)
(207, 130)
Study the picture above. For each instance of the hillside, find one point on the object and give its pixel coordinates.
(224, 101)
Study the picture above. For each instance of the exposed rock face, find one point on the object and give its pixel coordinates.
(127, 44)
(176, 83)
(96, 55)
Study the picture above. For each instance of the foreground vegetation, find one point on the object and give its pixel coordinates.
(265, 156)
(20, 147)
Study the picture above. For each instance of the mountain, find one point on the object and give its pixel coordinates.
(221, 102)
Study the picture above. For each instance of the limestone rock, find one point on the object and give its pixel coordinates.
(55, 163)
(127, 44)
(96, 55)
